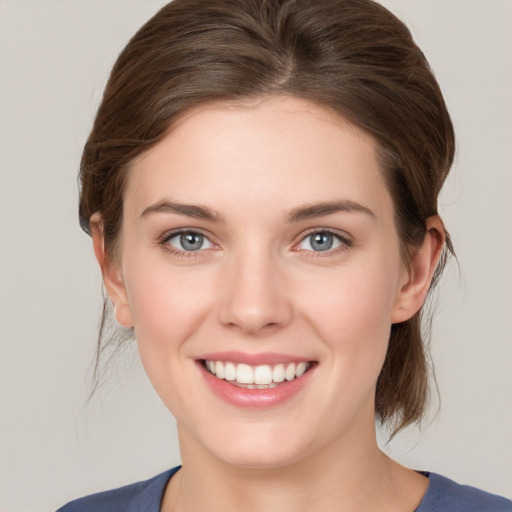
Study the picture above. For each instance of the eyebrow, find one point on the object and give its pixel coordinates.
(189, 210)
(322, 209)
(298, 214)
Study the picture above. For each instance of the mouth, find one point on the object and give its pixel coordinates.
(257, 377)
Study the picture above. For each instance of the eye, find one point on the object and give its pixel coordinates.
(188, 241)
(320, 241)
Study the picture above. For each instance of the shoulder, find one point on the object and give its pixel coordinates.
(141, 496)
(445, 495)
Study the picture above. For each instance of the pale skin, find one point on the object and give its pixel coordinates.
(268, 177)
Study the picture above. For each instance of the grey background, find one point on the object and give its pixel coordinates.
(54, 59)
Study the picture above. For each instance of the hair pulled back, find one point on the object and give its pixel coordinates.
(350, 56)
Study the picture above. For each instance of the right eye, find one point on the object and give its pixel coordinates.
(188, 241)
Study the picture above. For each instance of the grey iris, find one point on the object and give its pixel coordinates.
(321, 241)
(191, 241)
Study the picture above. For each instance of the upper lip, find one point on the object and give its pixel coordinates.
(269, 358)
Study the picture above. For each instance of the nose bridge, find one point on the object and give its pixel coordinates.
(255, 293)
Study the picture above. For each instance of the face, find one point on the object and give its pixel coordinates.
(258, 243)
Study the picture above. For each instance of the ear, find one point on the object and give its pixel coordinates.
(112, 275)
(418, 276)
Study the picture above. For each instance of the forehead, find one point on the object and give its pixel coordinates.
(277, 152)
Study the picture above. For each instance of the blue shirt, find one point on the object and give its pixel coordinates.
(443, 495)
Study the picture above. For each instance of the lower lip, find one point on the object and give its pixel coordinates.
(255, 398)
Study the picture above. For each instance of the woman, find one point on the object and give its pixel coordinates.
(261, 188)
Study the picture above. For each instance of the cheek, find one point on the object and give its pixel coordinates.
(353, 316)
(167, 305)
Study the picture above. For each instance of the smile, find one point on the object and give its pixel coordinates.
(256, 377)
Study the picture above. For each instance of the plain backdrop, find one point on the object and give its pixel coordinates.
(55, 56)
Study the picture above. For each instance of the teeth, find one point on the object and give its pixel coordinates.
(219, 370)
(289, 373)
(256, 377)
(301, 368)
(244, 374)
(230, 371)
(262, 375)
(278, 373)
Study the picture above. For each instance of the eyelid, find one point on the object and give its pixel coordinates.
(167, 235)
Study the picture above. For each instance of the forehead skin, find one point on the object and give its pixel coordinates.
(260, 150)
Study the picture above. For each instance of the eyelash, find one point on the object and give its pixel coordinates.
(345, 243)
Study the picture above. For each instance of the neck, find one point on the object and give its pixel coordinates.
(349, 474)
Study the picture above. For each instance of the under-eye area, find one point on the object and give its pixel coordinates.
(257, 377)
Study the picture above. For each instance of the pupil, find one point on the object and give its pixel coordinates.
(322, 241)
(191, 241)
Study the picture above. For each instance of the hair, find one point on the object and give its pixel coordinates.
(352, 57)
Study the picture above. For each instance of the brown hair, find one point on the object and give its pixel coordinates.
(351, 56)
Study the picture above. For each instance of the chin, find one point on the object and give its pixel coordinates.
(264, 449)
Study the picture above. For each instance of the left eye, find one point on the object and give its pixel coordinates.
(321, 241)
(189, 241)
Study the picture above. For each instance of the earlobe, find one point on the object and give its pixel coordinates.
(112, 275)
(424, 260)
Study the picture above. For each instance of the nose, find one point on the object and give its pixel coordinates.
(255, 296)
